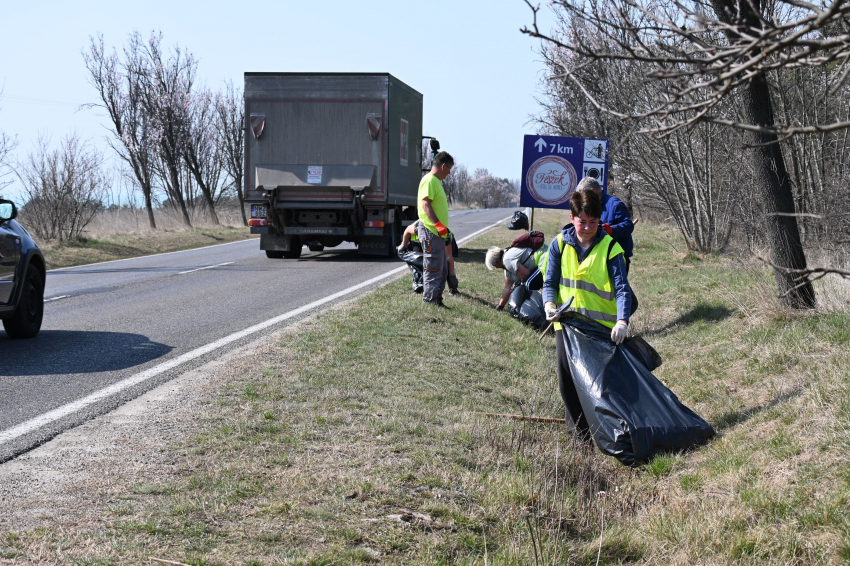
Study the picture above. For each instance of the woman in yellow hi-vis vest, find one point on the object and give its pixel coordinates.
(587, 266)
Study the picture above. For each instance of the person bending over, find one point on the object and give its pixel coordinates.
(521, 265)
(410, 241)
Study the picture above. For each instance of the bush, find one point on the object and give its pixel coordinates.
(64, 188)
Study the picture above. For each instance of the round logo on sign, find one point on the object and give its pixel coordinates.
(551, 180)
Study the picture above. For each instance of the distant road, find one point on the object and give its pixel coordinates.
(117, 329)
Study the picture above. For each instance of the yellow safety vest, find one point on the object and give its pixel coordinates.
(589, 281)
(541, 259)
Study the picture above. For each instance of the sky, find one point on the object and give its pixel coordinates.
(479, 75)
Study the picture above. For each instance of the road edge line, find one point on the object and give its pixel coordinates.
(54, 415)
(153, 255)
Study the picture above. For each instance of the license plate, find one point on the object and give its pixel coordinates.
(258, 211)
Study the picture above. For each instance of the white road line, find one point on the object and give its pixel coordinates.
(56, 414)
(154, 255)
(207, 267)
(56, 298)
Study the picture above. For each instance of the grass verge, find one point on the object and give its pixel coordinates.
(348, 441)
(92, 250)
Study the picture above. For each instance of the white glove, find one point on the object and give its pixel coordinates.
(618, 333)
(551, 311)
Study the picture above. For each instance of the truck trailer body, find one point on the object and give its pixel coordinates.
(330, 158)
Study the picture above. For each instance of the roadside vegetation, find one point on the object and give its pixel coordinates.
(122, 232)
(346, 441)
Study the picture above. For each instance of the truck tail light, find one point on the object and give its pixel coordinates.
(258, 222)
(375, 224)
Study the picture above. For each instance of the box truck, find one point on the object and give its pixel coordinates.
(331, 158)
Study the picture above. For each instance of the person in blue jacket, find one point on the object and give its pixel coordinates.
(615, 220)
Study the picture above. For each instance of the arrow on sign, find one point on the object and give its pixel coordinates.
(540, 144)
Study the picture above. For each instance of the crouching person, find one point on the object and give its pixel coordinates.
(410, 251)
(521, 265)
(588, 266)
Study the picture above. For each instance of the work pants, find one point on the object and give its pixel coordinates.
(435, 264)
(576, 421)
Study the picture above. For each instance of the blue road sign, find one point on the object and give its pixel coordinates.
(553, 165)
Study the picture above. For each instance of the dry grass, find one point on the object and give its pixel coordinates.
(345, 441)
(117, 222)
(122, 233)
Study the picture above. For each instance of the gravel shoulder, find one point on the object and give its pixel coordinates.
(67, 481)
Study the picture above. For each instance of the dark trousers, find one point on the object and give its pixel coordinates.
(574, 414)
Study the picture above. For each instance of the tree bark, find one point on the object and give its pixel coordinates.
(773, 186)
(177, 195)
(241, 205)
(149, 207)
(774, 189)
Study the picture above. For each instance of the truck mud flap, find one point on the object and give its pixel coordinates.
(276, 242)
(377, 245)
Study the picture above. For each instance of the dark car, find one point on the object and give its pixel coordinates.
(22, 273)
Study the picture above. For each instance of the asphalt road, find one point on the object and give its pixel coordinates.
(117, 329)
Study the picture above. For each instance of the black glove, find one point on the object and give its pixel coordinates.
(500, 308)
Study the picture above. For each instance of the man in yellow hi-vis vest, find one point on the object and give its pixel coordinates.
(433, 208)
(587, 266)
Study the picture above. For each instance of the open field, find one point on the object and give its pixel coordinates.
(341, 441)
(118, 234)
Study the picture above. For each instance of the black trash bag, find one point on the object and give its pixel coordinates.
(643, 352)
(519, 221)
(516, 299)
(531, 311)
(414, 260)
(631, 414)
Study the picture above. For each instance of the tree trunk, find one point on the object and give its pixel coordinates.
(211, 204)
(772, 184)
(149, 207)
(178, 195)
(241, 203)
(774, 189)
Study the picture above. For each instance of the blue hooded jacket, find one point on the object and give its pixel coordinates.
(616, 215)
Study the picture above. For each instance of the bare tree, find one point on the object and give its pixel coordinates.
(120, 89)
(202, 152)
(64, 188)
(487, 191)
(167, 81)
(456, 185)
(229, 124)
(7, 145)
(701, 54)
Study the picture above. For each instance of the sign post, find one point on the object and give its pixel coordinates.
(553, 165)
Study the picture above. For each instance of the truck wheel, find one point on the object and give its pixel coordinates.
(294, 249)
(272, 254)
(26, 321)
